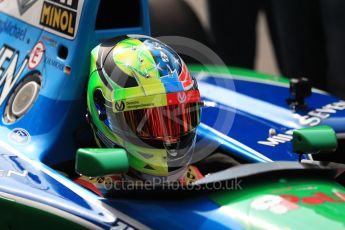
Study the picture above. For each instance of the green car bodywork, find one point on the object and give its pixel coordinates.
(286, 204)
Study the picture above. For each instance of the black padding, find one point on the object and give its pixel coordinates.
(176, 18)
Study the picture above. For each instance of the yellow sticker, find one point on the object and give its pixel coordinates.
(140, 103)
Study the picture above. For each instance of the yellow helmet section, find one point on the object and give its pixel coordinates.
(150, 161)
(133, 57)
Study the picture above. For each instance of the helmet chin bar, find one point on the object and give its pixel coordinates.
(171, 148)
(181, 159)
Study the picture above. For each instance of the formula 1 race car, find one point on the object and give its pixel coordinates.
(45, 50)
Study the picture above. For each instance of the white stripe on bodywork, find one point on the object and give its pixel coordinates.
(235, 142)
(249, 105)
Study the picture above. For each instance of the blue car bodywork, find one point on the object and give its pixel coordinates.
(63, 78)
(258, 120)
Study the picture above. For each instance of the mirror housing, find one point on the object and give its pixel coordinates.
(101, 161)
(313, 140)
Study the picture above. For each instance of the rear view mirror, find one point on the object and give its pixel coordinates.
(313, 140)
(100, 162)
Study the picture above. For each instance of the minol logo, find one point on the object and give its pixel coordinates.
(59, 18)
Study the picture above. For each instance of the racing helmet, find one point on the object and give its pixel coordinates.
(141, 97)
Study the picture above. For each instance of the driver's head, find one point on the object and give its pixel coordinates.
(141, 97)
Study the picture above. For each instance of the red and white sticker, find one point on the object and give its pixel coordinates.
(190, 96)
(36, 55)
(275, 204)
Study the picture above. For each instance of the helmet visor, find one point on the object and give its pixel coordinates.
(166, 123)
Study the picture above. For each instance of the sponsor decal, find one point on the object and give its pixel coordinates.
(54, 63)
(273, 203)
(19, 136)
(10, 173)
(274, 140)
(281, 204)
(12, 29)
(119, 105)
(193, 174)
(121, 225)
(139, 103)
(316, 116)
(36, 55)
(49, 41)
(24, 5)
(190, 96)
(316, 199)
(181, 97)
(58, 17)
(313, 118)
(8, 74)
